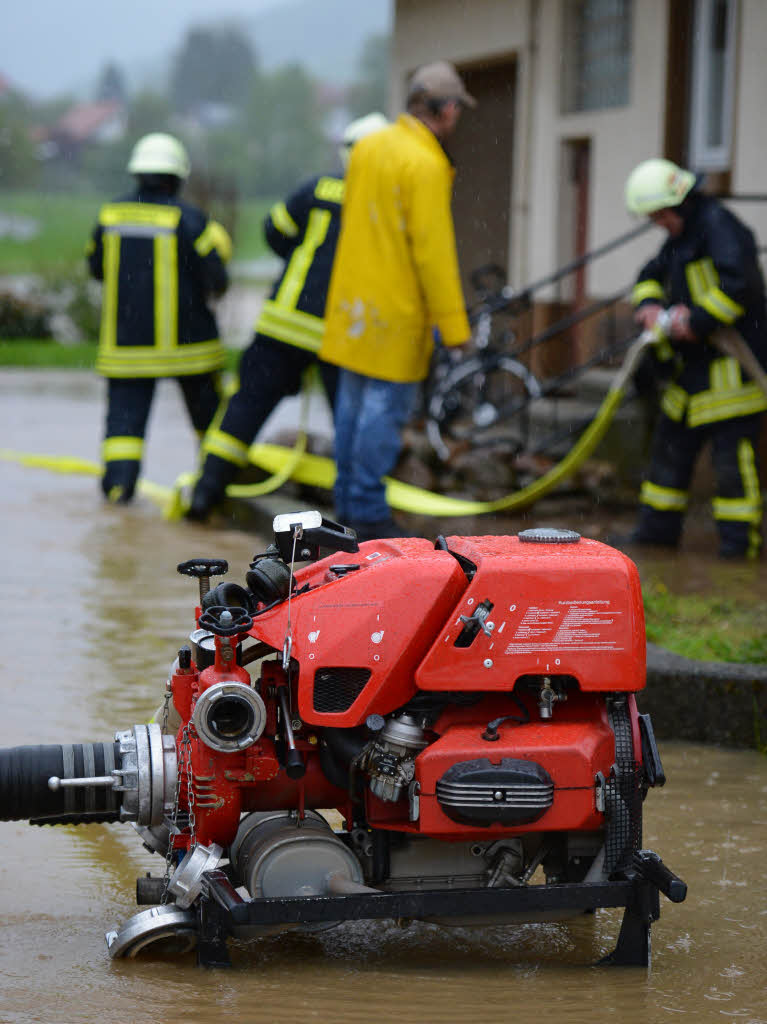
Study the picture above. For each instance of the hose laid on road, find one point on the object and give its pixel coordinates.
(319, 471)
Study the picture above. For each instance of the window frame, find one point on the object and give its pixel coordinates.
(703, 155)
(574, 90)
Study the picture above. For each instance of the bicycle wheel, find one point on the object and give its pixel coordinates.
(482, 402)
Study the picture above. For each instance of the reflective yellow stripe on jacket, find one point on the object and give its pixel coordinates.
(647, 290)
(214, 236)
(165, 357)
(144, 361)
(279, 317)
(727, 396)
(703, 282)
(290, 325)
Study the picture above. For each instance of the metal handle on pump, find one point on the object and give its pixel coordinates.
(294, 762)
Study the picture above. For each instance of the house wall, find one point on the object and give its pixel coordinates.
(750, 144)
(458, 30)
(620, 138)
(469, 32)
(532, 30)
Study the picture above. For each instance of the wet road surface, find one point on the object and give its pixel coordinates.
(92, 615)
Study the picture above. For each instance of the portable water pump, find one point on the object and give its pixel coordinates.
(402, 729)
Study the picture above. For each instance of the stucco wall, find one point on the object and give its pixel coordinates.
(470, 31)
(531, 29)
(458, 30)
(620, 138)
(750, 143)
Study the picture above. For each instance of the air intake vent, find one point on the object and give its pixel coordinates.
(482, 793)
(336, 689)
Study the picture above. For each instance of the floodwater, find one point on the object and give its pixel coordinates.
(92, 615)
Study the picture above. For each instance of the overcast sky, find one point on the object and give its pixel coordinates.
(48, 46)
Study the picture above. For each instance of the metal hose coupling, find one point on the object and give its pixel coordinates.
(130, 779)
(229, 716)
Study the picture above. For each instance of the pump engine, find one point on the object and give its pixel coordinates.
(400, 729)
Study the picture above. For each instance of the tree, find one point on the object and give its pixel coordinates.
(212, 66)
(283, 126)
(148, 112)
(370, 90)
(18, 160)
(111, 84)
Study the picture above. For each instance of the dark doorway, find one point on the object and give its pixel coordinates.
(482, 149)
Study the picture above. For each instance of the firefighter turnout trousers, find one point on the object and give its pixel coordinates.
(270, 370)
(128, 404)
(737, 506)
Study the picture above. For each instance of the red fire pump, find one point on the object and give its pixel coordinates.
(403, 729)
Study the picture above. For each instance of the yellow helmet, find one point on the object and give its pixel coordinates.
(158, 153)
(655, 185)
(357, 130)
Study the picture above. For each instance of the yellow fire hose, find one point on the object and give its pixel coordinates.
(319, 471)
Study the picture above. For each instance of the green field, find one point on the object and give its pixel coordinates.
(65, 223)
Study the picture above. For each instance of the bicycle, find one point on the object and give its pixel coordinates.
(482, 401)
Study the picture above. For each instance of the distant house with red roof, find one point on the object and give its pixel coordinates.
(84, 124)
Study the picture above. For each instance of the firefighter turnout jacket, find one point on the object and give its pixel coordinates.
(303, 231)
(712, 268)
(160, 260)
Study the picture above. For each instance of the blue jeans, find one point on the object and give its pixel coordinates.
(369, 417)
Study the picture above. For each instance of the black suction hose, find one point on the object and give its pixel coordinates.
(25, 794)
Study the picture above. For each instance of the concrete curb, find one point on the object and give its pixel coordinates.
(705, 701)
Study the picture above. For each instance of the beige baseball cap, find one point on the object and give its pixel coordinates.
(440, 81)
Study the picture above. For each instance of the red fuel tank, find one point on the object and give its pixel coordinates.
(565, 607)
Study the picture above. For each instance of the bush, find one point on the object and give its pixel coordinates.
(23, 318)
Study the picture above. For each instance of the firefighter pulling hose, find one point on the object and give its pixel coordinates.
(707, 272)
(460, 752)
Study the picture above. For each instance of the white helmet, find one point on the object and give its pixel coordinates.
(357, 130)
(655, 185)
(158, 153)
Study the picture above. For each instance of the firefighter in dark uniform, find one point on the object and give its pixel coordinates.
(708, 273)
(161, 260)
(303, 231)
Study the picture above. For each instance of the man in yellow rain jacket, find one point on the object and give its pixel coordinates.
(395, 281)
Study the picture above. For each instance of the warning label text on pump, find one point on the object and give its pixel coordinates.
(568, 625)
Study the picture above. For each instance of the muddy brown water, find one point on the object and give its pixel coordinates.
(92, 615)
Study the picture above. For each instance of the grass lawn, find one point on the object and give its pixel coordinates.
(66, 221)
(709, 627)
(47, 354)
